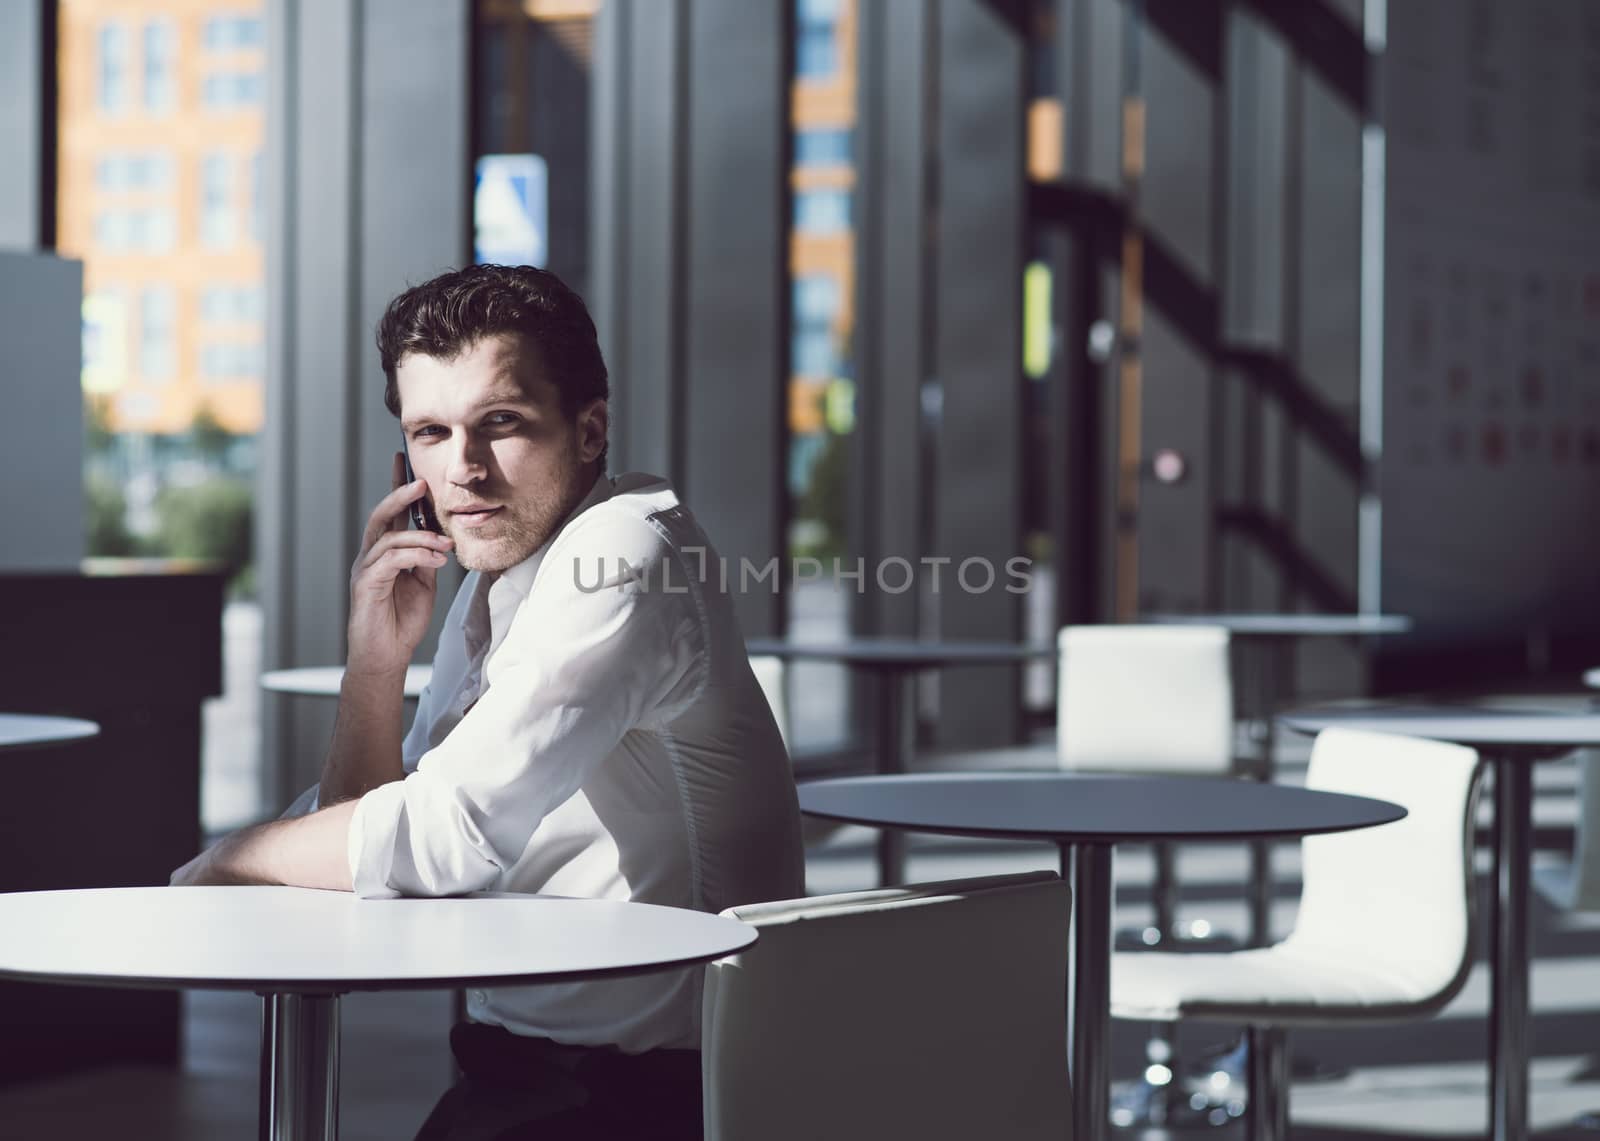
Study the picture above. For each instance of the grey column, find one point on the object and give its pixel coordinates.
(736, 326)
(691, 190)
(27, 72)
(369, 179)
(892, 264)
(977, 301)
(1179, 74)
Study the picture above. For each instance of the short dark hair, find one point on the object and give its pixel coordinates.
(447, 315)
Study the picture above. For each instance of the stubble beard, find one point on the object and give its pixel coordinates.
(522, 528)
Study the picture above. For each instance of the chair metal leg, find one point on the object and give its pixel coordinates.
(1164, 892)
(1268, 1116)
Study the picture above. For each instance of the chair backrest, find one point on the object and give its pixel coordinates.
(1401, 894)
(1146, 699)
(933, 1011)
(769, 675)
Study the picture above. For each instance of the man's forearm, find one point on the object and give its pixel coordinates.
(365, 751)
(303, 851)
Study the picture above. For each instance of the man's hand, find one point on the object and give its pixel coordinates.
(196, 873)
(393, 583)
(212, 866)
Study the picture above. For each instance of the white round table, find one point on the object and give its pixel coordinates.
(30, 731)
(301, 949)
(1510, 741)
(324, 681)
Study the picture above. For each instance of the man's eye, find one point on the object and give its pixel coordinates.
(504, 418)
(430, 430)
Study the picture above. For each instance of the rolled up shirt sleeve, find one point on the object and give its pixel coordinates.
(589, 656)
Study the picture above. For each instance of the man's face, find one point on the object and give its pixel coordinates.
(502, 463)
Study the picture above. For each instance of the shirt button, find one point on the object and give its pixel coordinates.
(479, 997)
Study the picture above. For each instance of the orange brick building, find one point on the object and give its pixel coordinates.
(161, 109)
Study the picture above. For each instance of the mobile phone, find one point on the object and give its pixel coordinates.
(423, 517)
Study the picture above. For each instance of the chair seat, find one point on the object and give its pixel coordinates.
(1282, 985)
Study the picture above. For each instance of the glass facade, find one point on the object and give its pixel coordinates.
(822, 369)
(817, 38)
(531, 100)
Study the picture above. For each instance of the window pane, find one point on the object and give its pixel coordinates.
(233, 33)
(157, 312)
(824, 211)
(217, 221)
(160, 79)
(113, 68)
(258, 206)
(822, 147)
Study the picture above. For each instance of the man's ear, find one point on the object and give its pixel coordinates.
(594, 420)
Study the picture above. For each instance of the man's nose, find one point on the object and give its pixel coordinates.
(468, 461)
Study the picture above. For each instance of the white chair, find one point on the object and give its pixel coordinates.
(1385, 928)
(1148, 699)
(935, 1011)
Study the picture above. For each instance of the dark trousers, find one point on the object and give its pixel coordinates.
(515, 1087)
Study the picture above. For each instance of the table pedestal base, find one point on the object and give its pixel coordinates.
(896, 746)
(1088, 868)
(1508, 1004)
(299, 1067)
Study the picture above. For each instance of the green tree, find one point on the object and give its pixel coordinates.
(106, 511)
(211, 436)
(211, 521)
(97, 432)
(824, 496)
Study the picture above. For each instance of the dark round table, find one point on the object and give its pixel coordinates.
(1084, 815)
(895, 662)
(1510, 741)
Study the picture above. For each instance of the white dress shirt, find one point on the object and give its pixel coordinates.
(593, 729)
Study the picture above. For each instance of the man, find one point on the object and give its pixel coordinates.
(593, 727)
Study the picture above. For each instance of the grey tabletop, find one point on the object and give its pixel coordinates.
(1090, 808)
(1261, 625)
(1460, 724)
(296, 940)
(901, 652)
(31, 731)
